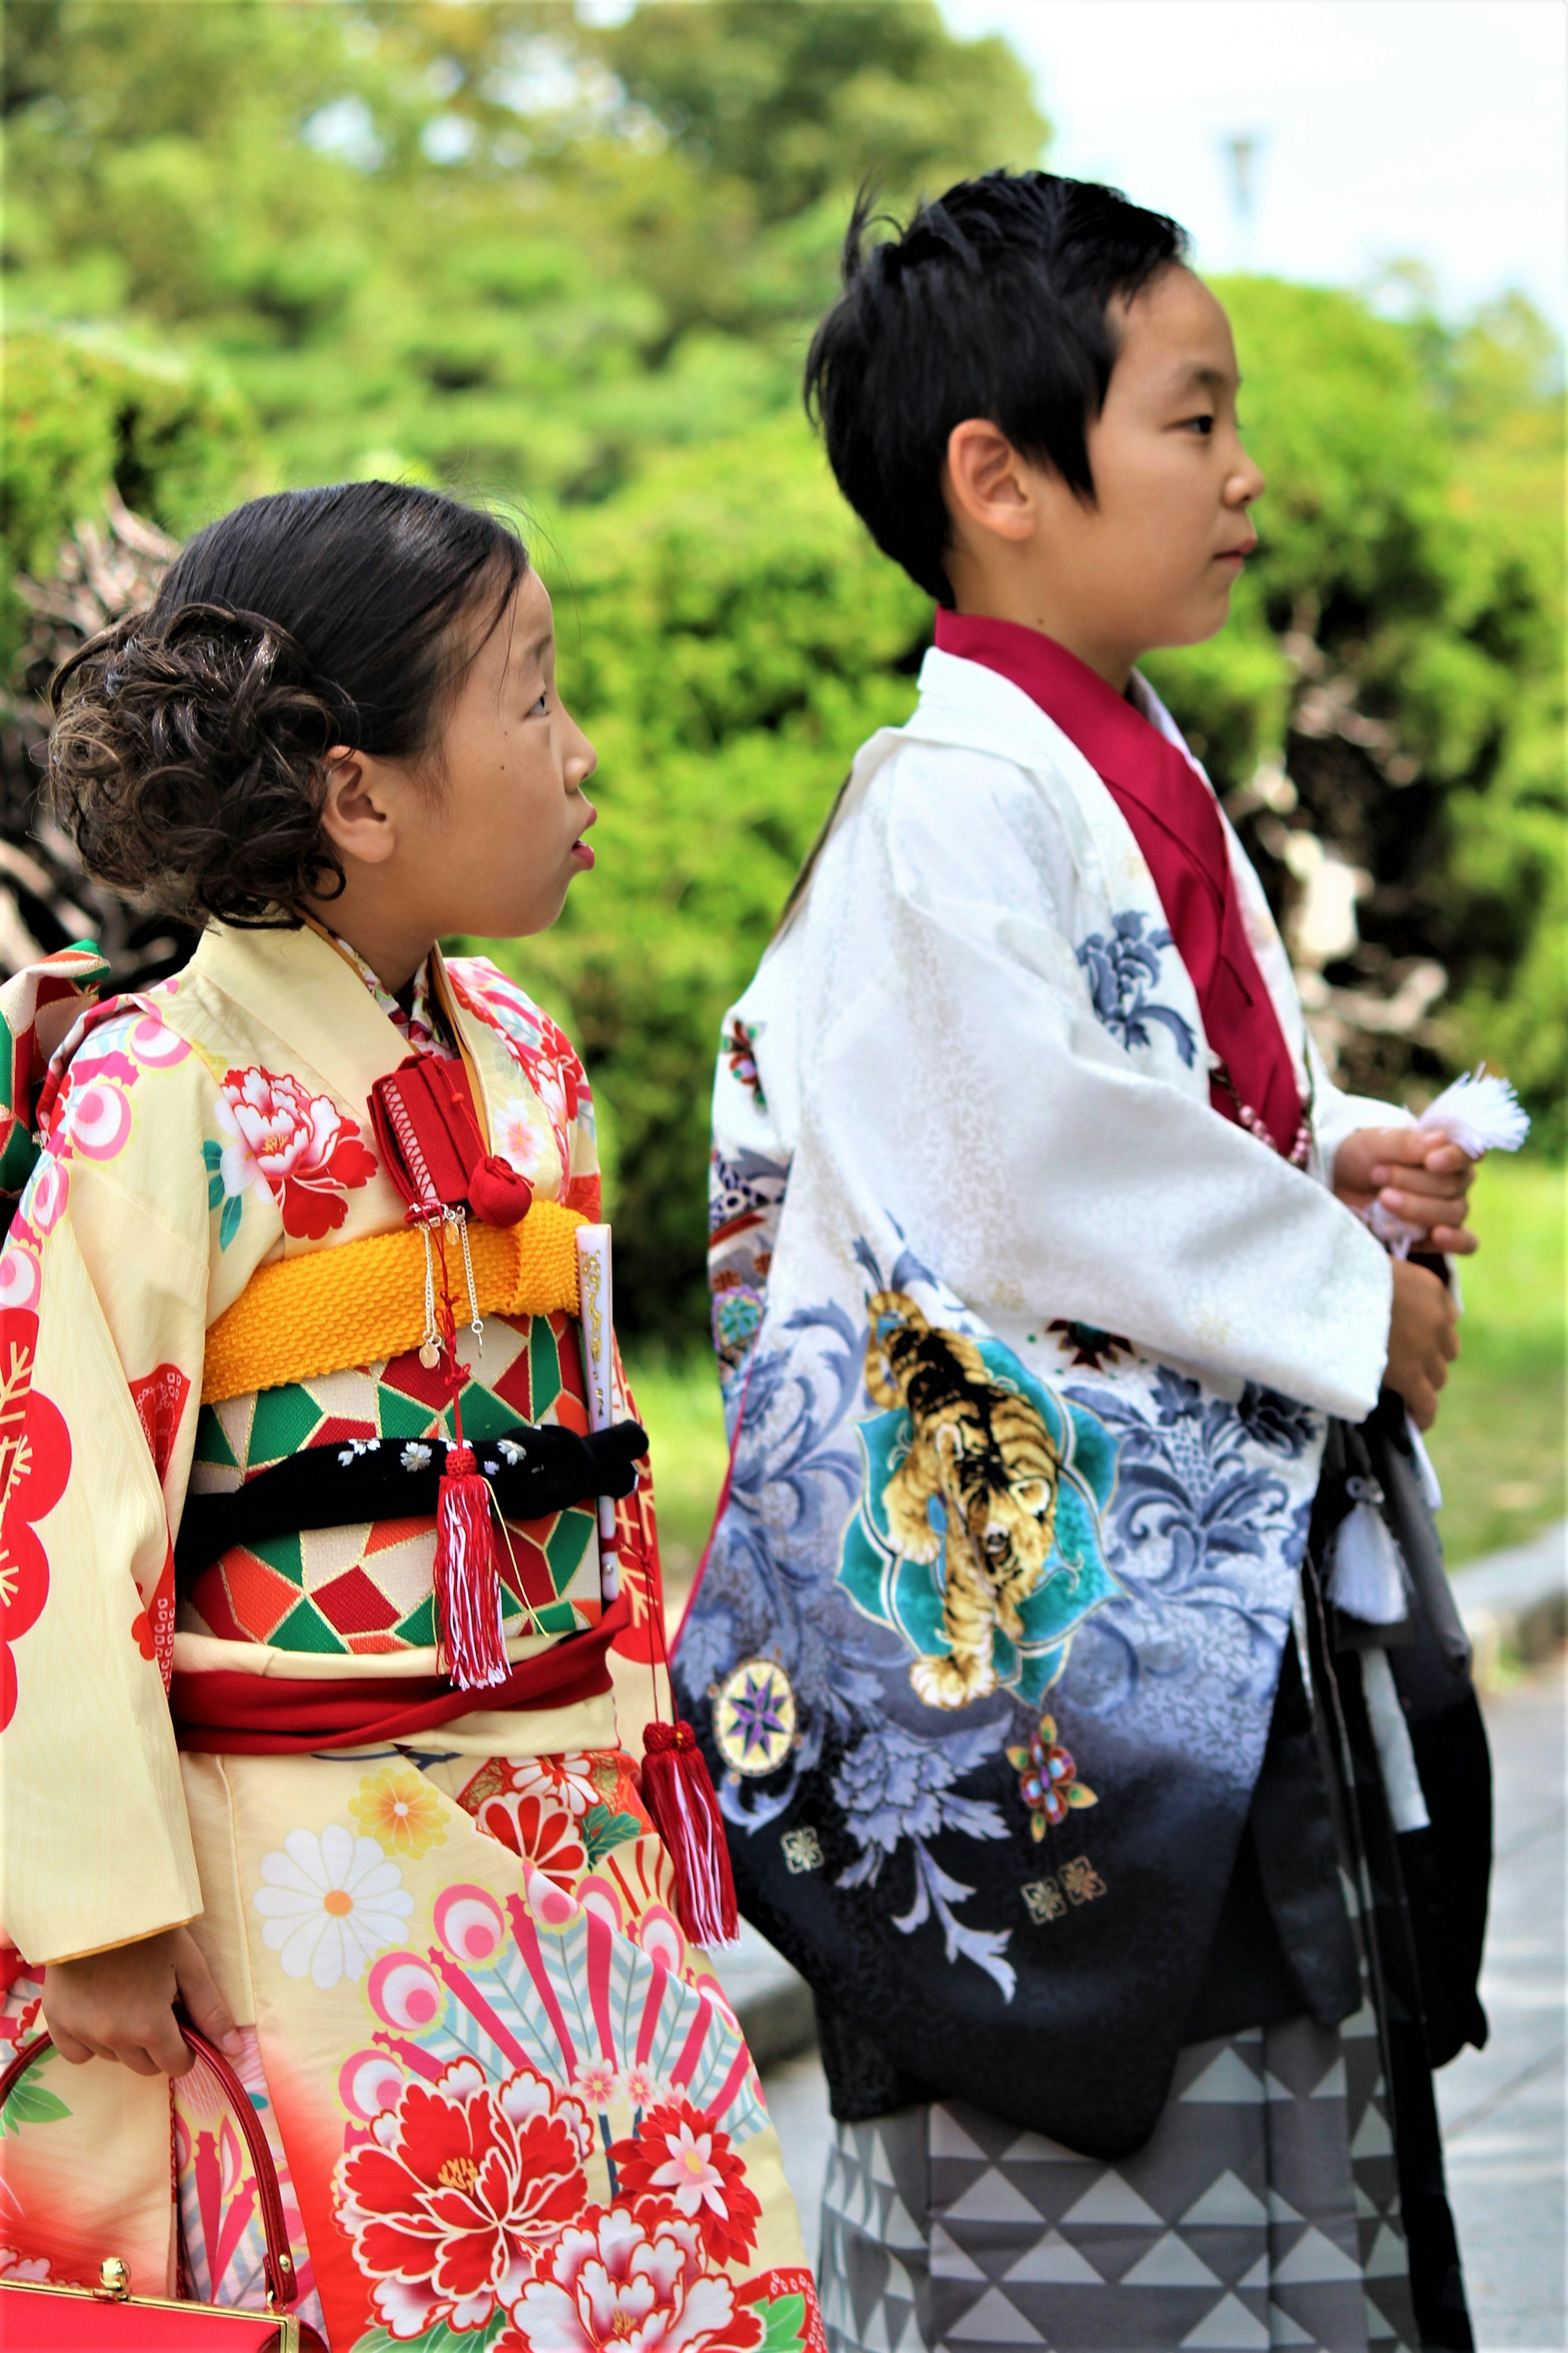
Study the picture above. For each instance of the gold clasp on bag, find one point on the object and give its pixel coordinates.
(113, 2282)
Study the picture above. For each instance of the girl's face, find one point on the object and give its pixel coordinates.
(482, 834)
(506, 830)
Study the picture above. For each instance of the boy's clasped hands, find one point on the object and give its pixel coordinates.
(1424, 1179)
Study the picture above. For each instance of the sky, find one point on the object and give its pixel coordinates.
(1383, 130)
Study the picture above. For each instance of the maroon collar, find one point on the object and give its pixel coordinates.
(1176, 820)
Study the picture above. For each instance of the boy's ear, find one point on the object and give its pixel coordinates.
(987, 481)
(358, 811)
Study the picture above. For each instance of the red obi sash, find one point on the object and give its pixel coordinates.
(1175, 822)
(239, 1715)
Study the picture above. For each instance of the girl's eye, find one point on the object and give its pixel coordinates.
(540, 710)
(1203, 425)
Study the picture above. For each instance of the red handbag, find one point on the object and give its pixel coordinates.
(36, 2316)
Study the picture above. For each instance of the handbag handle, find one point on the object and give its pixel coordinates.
(281, 2285)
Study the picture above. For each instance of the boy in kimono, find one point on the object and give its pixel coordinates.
(1049, 1325)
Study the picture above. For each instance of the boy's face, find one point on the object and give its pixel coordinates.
(1154, 560)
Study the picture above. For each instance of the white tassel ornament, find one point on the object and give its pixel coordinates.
(1480, 1113)
(1366, 1579)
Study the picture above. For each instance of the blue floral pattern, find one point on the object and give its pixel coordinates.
(896, 1786)
(1121, 966)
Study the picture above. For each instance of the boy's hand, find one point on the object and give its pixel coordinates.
(1417, 1176)
(1423, 1340)
(120, 2005)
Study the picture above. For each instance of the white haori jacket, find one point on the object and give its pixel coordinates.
(968, 1091)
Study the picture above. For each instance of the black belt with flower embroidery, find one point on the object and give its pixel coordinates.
(533, 1470)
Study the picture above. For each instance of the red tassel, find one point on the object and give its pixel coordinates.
(467, 1581)
(685, 1813)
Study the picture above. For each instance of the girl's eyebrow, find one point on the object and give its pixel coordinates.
(541, 646)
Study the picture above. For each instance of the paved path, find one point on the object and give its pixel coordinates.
(1503, 2108)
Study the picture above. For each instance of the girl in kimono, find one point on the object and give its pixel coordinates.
(1048, 1325)
(308, 1715)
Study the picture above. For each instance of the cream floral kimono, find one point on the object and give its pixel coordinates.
(509, 2101)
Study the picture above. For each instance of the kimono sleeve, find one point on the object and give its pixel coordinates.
(967, 1092)
(1336, 1115)
(104, 1284)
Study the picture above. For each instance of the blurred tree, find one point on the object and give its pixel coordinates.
(797, 97)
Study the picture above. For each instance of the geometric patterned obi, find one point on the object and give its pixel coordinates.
(367, 1588)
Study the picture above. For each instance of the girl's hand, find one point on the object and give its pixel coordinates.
(1423, 1339)
(1417, 1175)
(120, 2005)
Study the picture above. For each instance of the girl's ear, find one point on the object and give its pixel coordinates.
(359, 814)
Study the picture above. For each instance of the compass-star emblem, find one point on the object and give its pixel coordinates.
(754, 1717)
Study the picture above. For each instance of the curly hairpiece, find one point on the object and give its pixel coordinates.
(187, 762)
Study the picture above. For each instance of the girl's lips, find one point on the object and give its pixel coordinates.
(583, 855)
(1237, 555)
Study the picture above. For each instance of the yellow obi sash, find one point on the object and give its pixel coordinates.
(364, 1302)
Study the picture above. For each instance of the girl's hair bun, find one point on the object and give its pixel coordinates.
(187, 762)
(188, 757)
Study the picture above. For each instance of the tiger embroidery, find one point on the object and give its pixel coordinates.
(985, 1453)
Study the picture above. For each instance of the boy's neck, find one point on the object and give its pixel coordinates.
(993, 592)
(1114, 664)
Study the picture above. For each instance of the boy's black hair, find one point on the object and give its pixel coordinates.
(992, 301)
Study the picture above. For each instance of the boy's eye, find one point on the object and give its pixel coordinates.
(1199, 425)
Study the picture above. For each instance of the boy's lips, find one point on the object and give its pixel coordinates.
(1239, 553)
(582, 854)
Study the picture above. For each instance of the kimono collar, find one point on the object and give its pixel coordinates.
(420, 1019)
(1176, 823)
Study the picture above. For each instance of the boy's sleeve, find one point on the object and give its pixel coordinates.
(966, 1089)
(1336, 1115)
(105, 1281)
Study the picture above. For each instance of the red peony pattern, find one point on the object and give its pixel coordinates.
(467, 2207)
(462, 2185)
(622, 2283)
(34, 1464)
(293, 1147)
(678, 2162)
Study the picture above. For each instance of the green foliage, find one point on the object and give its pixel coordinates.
(450, 234)
(782, 98)
(85, 410)
(1497, 1442)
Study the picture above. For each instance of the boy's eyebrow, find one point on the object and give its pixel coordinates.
(1211, 379)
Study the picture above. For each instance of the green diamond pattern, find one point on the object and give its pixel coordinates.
(567, 1542)
(305, 1628)
(543, 1369)
(419, 1627)
(400, 1416)
(211, 1442)
(284, 1421)
(282, 1552)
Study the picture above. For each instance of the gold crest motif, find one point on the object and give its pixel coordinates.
(754, 1717)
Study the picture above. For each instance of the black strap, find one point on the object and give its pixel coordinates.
(533, 1470)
